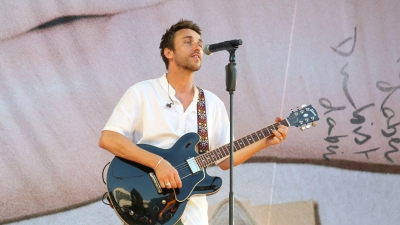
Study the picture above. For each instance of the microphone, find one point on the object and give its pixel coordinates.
(172, 102)
(226, 45)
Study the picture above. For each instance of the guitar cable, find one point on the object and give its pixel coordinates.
(105, 203)
(102, 176)
(102, 173)
(104, 195)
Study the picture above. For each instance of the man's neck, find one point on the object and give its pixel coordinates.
(181, 81)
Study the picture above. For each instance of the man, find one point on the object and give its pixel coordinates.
(142, 116)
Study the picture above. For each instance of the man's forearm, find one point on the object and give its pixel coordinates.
(121, 146)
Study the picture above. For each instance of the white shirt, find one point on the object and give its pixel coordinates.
(142, 115)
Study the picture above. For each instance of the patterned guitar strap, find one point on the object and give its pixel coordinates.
(202, 129)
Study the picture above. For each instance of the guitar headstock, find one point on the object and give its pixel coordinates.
(303, 117)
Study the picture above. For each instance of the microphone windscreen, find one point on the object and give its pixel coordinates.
(206, 50)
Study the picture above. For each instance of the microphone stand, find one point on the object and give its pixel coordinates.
(231, 80)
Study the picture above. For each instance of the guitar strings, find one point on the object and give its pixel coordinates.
(184, 169)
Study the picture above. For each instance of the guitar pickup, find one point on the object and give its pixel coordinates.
(194, 167)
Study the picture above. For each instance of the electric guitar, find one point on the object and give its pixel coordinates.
(136, 195)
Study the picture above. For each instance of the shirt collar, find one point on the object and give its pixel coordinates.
(165, 84)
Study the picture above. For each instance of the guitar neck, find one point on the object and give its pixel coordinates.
(207, 159)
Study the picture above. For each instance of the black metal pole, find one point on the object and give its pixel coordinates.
(231, 80)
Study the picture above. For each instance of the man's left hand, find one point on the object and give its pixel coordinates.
(278, 135)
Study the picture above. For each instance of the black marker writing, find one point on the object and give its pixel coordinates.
(345, 89)
(322, 102)
(346, 54)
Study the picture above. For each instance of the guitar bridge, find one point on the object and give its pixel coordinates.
(155, 182)
(194, 167)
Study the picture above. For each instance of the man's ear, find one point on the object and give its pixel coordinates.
(168, 53)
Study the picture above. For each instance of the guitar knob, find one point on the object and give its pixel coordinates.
(169, 215)
(131, 212)
(144, 219)
(156, 209)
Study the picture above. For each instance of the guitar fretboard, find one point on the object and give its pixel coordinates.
(206, 159)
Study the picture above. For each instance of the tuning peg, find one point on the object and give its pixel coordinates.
(308, 125)
(302, 128)
(303, 106)
(314, 124)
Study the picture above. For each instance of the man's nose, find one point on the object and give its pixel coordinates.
(198, 47)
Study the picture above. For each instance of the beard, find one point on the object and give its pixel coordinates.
(185, 63)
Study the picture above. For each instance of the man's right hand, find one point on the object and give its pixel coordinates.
(167, 175)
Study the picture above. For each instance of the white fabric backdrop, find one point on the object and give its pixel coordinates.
(59, 85)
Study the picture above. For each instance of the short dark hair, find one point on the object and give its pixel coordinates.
(167, 40)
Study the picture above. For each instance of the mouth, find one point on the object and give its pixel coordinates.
(196, 56)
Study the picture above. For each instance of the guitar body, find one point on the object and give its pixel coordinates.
(134, 195)
(138, 199)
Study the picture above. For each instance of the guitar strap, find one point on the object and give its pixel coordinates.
(202, 129)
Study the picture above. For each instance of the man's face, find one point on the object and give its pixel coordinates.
(188, 50)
